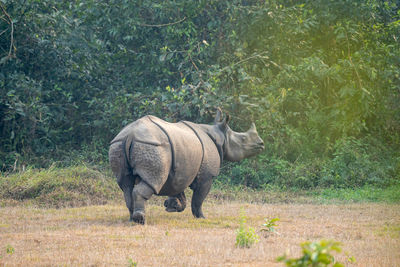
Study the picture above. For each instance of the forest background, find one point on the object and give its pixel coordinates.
(321, 80)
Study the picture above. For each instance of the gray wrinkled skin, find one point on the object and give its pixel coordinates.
(154, 157)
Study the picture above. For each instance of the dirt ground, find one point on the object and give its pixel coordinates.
(102, 235)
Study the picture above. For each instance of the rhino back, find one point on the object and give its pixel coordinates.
(142, 130)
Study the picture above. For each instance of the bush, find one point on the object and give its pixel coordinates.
(54, 187)
(316, 254)
(245, 237)
(354, 163)
(269, 225)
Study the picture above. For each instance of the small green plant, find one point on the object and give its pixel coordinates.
(132, 263)
(269, 225)
(316, 254)
(245, 237)
(10, 250)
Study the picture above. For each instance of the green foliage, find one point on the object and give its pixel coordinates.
(269, 225)
(245, 236)
(354, 163)
(390, 194)
(132, 263)
(321, 79)
(316, 254)
(76, 77)
(310, 68)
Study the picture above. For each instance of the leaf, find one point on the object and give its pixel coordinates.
(162, 57)
(365, 90)
(169, 56)
(3, 60)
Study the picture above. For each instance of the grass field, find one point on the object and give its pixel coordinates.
(102, 236)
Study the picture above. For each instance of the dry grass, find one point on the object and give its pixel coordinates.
(102, 236)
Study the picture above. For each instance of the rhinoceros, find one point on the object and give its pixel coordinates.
(153, 157)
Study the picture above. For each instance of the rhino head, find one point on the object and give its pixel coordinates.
(238, 146)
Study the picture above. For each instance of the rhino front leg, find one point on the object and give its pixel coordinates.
(176, 203)
(200, 191)
(140, 194)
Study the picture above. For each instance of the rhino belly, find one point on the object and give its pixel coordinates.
(176, 184)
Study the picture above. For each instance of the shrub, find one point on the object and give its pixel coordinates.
(245, 237)
(316, 254)
(357, 163)
(55, 187)
(269, 225)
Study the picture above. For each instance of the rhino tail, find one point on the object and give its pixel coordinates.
(126, 147)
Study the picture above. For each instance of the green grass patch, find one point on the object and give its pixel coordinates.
(391, 230)
(272, 195)
(275, 195)
(82, 185)
(59, 187)
(186, 220)
(389, 194)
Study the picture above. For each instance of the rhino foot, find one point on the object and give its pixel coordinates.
(198, 213)
(138, 217)
(169, 206)
(175, 203)
(172, 205)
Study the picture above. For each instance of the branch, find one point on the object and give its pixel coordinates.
(12, 30)
(260, 56)
(4, 19)
(354, 67)
(194, 64)
(246, 59)
(162, 25)
(12, 39)
(5, 13)
(3, 31)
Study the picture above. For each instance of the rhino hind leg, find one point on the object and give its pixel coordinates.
(200, 192)
(140, 194)
(125, 178)
(127, 189)
(176, 203)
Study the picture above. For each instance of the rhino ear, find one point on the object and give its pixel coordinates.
(253, 127)
(223, 125)
(218, 116)
(228, 118)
